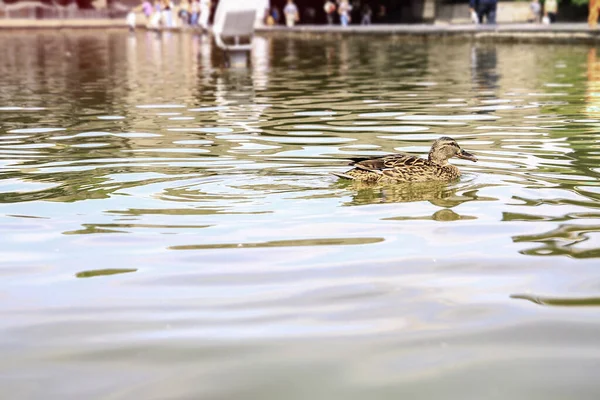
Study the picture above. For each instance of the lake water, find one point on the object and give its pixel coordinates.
(171, 230)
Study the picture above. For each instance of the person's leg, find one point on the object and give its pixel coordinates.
(593, 13)
(491, 15)
(480, 12)
(204, 18)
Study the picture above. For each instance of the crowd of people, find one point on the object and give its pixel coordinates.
(197, 13)
(485, 10)
(165, 13)
(342, 11)
(548, 15)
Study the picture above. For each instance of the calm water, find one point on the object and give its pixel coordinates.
(170, 228)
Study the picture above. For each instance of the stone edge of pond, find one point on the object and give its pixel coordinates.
(567, 33)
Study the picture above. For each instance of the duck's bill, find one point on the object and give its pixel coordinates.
(466, 155)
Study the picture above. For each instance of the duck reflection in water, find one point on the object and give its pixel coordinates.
(368, 193)
(437, 193)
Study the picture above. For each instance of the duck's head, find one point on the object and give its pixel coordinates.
(445, 148)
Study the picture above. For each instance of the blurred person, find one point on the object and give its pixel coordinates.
(167, 13)
(381, 13)
(147, 9)
(355, 10)
(484, 8)
(366, 15)
(535, 11)
(194, 12)
(329, 9)
(550, 10)
(594, 7)
(184, 12)
(155, 18)
(291, 13)
(204, 14)
(131, 20)
(276, 15)
(344, 10)
(266, 14)
(474, 17)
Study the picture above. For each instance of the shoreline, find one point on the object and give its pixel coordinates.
(515, 32)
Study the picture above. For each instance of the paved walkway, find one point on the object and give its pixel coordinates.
(18, 23)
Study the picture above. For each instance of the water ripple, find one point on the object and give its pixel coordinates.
(168, 214)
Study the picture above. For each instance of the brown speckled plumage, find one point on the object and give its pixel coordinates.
(408, 168)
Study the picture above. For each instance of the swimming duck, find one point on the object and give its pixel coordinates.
(407, 168)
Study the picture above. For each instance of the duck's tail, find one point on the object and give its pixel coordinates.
(344, 176)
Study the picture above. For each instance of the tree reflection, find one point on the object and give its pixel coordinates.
(574, 125)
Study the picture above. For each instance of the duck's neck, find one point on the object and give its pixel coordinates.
(435, 158)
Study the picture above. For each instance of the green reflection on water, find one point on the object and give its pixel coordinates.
(283, 243)
(562, 241)
(103, 272)
(558, 301)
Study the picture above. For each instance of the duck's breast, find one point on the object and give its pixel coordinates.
(449, 172)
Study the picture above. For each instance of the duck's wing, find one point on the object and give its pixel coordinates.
(393, 161)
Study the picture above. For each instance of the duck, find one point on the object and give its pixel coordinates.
(397, 168)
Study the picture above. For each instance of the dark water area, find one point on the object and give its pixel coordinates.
(171, 230)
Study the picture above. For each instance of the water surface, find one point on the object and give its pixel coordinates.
(170, 227)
